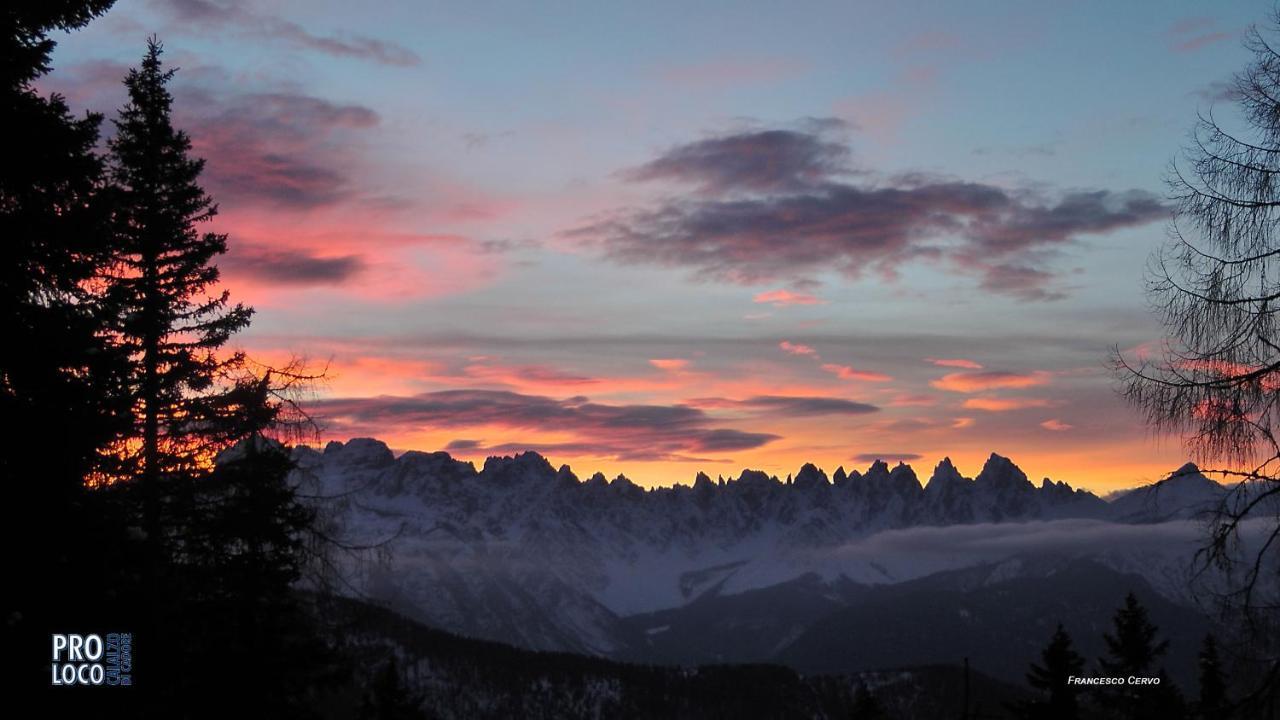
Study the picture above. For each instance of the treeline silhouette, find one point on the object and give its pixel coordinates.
(456, 677)
(117, 393)
(1134, 650)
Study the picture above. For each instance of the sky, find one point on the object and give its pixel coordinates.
(657, 238)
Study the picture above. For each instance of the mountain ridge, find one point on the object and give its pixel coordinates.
(997, 470)
(524, 552)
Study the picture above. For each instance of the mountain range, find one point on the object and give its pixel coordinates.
(753, 568)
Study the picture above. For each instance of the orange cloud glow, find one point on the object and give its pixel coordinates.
(992, 404)
(669, 364)
(909, 400)
(989, 380)
(846, 372)
(782, 298)
(526, 375)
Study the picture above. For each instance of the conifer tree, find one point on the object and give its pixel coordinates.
(57, 372)
(172, 319)
(1058, 663)
(1134, 650)
(1213, 690)
(55, 365)
(225, 532)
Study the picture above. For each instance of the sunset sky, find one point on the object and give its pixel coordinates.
(657, 238)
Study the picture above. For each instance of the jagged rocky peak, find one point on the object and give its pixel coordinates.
(903, 477)
(878, 472)
(360, 451)
(756, 479)
(439, 472)
(839, 477)
(623, 485)
(1059, 491)
(810, 477)
(1000, 472)
(945, 475)
(1190, 478)
(521, 467)
(704, 489)
(439, 465)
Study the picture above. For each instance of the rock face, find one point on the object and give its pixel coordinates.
(522, 552)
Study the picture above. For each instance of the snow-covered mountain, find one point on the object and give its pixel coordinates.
(522, 552)
(1185, 494)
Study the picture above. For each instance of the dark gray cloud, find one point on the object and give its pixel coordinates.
(277, 147)
(238, 16)
(624, 432)
(463, 444)
(790, 405)
(281, 149)
(604, 448)
(785, 214)
(290, 267)
(764, 161)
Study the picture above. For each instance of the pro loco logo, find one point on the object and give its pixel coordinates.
(91, 660)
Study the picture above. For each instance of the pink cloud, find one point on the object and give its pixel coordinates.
(670, 364)
(782, 298)
(846, 372)
(910, 400)
(1195, 33)
(1200, 41)
(797, 349)
(993, 404)
(1055, 425)
(272, 256)
(989, 380)
(527, 375)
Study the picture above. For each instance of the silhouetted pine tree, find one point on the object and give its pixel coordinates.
(1133, 650)
(1212, 704)
(171, 317)
(242, 548)
(55, 366)
(1059, 699)
(56, 371)
(226, 533)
